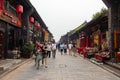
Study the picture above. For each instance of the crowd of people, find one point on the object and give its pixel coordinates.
(48, 50)
(71, 48)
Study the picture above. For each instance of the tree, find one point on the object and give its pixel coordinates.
(97, 14)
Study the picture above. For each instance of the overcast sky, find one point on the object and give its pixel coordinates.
(61, 16)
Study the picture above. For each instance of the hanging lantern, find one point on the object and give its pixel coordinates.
(19, 23)
(31, 19)
(38, 25)
(19, 9)
(43, 31)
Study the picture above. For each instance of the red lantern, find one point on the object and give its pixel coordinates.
(19, 23)
(38, 25)
(43, 31)
(19, 8)
(31, 19)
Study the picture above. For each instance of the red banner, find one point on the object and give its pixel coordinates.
(1, 4)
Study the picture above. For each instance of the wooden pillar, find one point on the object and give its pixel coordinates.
(112, 26)
(25, 21)
(113, 21)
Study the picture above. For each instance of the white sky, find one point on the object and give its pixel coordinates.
(61, 16)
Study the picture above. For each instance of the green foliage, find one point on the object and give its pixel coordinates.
(28, 47)
(103, 10)
(97, 14)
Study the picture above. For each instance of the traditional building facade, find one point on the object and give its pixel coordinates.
(114, 25)
(19, 23)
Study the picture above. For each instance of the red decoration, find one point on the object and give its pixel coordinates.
(19, 9)
(83, 34)
(43, 31)
(31, 19)
(1, 4)
(83, 42)
(38, 25)
(19, 23)
(0, 11)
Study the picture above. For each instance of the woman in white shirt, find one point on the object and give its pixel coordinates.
(54, 49)
(49, 47)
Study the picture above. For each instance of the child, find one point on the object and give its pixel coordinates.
(38, 57)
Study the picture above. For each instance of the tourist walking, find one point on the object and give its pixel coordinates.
(38, 57)
(44, 55)
(74, 49)
(38, 54)
(37, 47)
(70, 48)
(54, 49)
(61, 48)
(65, 48)
(49, 47)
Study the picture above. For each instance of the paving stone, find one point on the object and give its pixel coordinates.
(64, 67)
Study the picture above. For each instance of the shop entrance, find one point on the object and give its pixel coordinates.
(1, 44)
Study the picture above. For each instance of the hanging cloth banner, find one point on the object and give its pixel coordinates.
(1, 4)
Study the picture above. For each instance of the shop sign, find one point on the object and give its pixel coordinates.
(10, 18)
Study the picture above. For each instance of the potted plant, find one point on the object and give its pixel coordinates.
(27, 50)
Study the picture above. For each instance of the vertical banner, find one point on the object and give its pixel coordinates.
(1, 4)
(46, 36)
(96, 38)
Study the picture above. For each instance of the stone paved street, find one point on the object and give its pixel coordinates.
(64, 67)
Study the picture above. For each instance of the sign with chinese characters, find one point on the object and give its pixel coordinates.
(6, 16)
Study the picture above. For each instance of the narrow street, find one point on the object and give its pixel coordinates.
(64, 67)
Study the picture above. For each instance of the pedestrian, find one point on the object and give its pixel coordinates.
(44, 55)
(74, 49)
(38, 57)
(61, 48)
(65, 48)
(54, 49)
(70, 48)
(37, 47)
(49, 47)
(58, 47)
